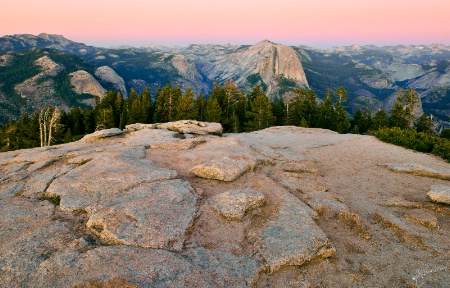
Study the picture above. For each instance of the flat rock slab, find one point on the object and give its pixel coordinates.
(10, 189)
(149, 137)
(104, 177)
(184, 144)
(138, 266)
(150, 216)
(439, 194)
(192, 127)
(420, 170)
(102, 134)
(36, 185)
(228, 270)
(233, 204)
(224, 169)
(293, 238)
(146, 268)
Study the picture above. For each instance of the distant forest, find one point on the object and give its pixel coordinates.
(235, 110)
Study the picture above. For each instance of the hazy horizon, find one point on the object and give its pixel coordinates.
(321, 24)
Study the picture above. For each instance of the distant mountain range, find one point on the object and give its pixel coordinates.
(49, 69)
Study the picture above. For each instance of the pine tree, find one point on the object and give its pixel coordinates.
(279, 112)
(411, 99)
(397, 114)
(260, 116)
(380, 120)
(89, 120)
(357, 122)
(166, 99)
(213, 112)
(367, 121)
(327, 114)
(68, 136)
(185, 106)
(342, 123)
(200, 105)
(423, 124)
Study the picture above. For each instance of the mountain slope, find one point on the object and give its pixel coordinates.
(370, 74)
(35, 78)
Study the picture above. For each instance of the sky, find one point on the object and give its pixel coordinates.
(317, 23)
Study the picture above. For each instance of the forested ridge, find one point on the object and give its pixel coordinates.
(235, 110)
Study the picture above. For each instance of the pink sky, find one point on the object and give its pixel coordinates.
(320, 23)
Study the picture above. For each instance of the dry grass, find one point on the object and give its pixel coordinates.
(353, 221)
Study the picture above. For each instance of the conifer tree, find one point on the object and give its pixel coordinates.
(424, 124)
(367, 121)
(200, 106)
(260, 116)
(166, 99)
(185, 106)
(411, 99)
(213, 111)
(342, 123)
(279, 112)
(327, 114)
(357, 123)
(380, 120)
(397, 114)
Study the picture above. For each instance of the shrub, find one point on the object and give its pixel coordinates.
(442, 149)
(410, 139)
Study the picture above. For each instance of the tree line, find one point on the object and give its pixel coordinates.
(226, 104)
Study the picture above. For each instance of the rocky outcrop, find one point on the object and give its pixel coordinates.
(402, 72)
(41, 83)
(73, 214)
(107, 74)
(293, 238)
(85, 83)
(192, 127)
(281, 62)
(233, 204)
(224, 169)
(264, 63)
(102, 134)
(439, 193)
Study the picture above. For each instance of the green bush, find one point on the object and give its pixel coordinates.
(414, 140)
(410, 139)
(442, 149)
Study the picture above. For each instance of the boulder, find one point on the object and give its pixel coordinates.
(224, 169)
(233, 204)
(293, 238)
(192, 127)
(139, 126)
(102, 134)
(439, 194)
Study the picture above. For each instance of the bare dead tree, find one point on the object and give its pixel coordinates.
(48, 124)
